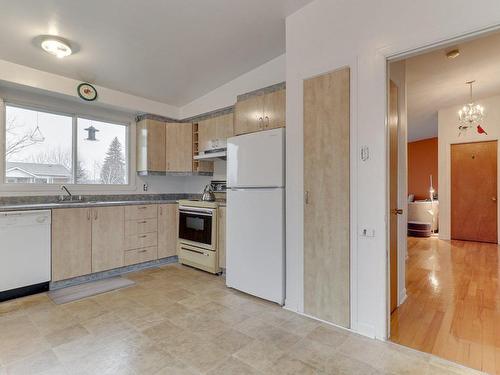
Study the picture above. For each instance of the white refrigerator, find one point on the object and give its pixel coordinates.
(255, 248)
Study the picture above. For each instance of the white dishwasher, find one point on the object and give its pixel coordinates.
(24, 253)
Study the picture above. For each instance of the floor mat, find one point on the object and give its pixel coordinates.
(74, 293)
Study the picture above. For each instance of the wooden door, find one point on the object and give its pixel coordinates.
(71, 243)
(393, 193)
(274, 109)
(474, 192)
(108, 232)
(221, 236)
(326, 186)
(167, 230)
(179, 147)
(151, 146)
(249, 115)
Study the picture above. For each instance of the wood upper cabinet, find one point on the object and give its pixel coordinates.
(274, 109)
(179, 147)
(260, 112)
(151, 146)
(108, 225)
(221, 236)
(167, 230)
(220, 127)
(249, 115)
(71, 243)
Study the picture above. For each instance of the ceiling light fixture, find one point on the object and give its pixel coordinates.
(56, 46)
(471, 113)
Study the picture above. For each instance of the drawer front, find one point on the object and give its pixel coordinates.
(141, 255)
(200, 258)
(141, 240)
(148, 211)
(134, 227)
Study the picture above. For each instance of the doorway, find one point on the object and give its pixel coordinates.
(443, 287)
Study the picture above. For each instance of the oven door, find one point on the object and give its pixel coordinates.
(197, 226)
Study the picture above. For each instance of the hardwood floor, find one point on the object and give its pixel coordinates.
(453, 304)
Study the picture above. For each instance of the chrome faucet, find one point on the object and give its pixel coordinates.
(63, 187)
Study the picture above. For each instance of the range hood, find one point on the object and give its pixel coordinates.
(215, 154)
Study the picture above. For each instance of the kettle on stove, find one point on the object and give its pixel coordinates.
(208, 194)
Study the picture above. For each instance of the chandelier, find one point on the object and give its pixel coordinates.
(471, 113)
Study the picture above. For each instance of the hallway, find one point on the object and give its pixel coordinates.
(452, 306)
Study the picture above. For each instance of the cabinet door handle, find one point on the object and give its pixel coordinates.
(142, 251)
(161, 211)
(95, 215)
(268, 121)
(261, 121)
(141, 208)
(143, 222)
(306, 197)
(88, 214)
(143, 236)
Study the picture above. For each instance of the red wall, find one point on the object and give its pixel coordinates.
(422, 162)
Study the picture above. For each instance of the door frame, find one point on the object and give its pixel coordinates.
(392, 54)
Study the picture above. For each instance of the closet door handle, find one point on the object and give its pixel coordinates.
(261, 121)
(268, 121)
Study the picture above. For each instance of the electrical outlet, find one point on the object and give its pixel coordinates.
(367, 232)
(145, 187)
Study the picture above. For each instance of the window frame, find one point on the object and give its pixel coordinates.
(31, 187)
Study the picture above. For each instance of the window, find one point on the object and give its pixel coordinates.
(101, 153)
(50, 148)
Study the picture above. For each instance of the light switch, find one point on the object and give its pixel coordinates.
(365, 153)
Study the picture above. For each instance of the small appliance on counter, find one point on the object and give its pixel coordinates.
(208, 194)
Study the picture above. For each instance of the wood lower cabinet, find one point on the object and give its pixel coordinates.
(71, 243)
(179, 147)
(107, 238)
(151, 146)
(167, 230)
(221, 236)
(260, 112)
(89, 240)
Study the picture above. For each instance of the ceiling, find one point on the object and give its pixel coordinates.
(171, 51)
(435, 82)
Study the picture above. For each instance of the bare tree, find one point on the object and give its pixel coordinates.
(52, 156)
(16, 142)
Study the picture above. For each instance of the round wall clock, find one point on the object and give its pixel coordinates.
(87, 92)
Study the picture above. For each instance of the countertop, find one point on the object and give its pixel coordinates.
(50, 202)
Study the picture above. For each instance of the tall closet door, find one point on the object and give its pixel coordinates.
(326, 186)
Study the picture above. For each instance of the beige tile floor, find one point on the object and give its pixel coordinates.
(177, 320)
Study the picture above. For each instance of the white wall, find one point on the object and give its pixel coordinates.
(448, 135)
(265, 75)
(326, 35)
(55, 84)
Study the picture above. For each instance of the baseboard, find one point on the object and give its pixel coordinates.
(24, 291)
